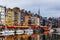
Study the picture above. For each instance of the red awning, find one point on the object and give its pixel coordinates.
(10, 26)
(10, 36)
(33, 27)
(22, 27)
(2, 36)
(3, 26)
(34, 35)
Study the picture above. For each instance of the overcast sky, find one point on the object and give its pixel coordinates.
(48, 8)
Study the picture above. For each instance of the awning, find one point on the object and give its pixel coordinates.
(22, 27)
(17, 27)
(23, 35)
(2, 26)
(10, 36)
(9, 26)
(33, 27)
(2, 36)
(34, 35)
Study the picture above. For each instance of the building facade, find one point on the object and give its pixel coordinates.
(9, 17)
(37, 20)
(2, 14)
(16, 16)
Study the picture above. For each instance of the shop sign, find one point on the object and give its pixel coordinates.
(8, 32)
(22, 26)
(29, 31)
(19, 31)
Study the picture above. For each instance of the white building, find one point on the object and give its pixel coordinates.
(2, 14)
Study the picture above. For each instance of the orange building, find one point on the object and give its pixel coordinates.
(27, 19)
(24, 19)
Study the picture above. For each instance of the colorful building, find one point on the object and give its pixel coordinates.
(37, 20)
(27, 19)
(9, 17)
(16, 21)
(22, 17)
(2, 14)
(16, 16)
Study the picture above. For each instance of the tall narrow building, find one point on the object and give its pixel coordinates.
(16, 16)
(9, 17)
(37, 20)
(2, 14)
(39, 16)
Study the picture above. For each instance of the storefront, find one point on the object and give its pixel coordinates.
(9, 30)
(34, 37)
(28, 31)
(7, 37)
(19, 31)
(10, 37)
(23, 37)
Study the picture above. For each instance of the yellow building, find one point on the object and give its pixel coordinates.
(9, 17)
(13, 17)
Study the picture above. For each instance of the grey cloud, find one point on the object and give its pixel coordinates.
(47, 7)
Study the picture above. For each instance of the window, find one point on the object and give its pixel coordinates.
(2, 13)
(15, 15)
(32, 20)
(22, 19)
(22, 23)
(15, 23)
(2, 18)
(3, 9)
(29, 22)
(21, 14)
(0, 9)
